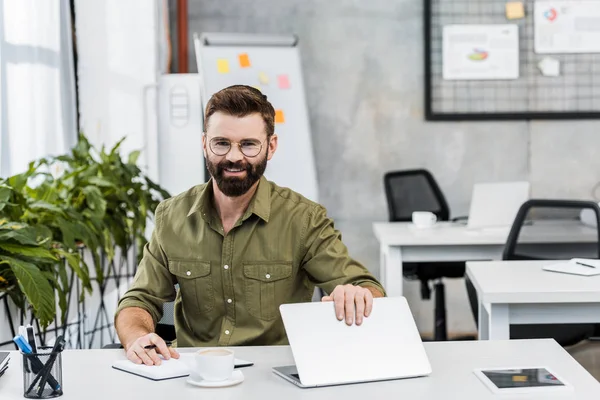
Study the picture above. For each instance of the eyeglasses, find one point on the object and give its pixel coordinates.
(248, 147)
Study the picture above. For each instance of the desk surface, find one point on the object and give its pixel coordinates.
(450, 233)
(88, 375)
(527, 282)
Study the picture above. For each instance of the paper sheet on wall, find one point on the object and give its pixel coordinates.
(478, 52)
(567, 27)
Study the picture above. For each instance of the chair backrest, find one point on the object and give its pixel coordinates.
(413, 190)
(555, 213)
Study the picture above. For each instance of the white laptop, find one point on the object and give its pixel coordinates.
(495, 205)
(328, 352)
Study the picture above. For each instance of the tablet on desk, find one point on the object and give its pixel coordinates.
(521, 380)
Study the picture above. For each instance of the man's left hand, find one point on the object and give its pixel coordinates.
(348, 299)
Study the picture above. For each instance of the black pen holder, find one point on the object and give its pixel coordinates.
(42, 374)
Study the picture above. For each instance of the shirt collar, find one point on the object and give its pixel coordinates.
(260, 204)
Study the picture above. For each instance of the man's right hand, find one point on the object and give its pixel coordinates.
(138, 354)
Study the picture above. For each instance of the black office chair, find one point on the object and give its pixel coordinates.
(536, 211)
(416, 190)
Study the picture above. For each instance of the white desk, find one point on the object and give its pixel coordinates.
(88, 375)
(520, 292)
(403, 242)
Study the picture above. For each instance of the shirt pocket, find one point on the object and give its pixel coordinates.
(195, 285)
(267, 285)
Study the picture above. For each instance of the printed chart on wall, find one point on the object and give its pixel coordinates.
(270, 64)
(481, 52)
(567, 27)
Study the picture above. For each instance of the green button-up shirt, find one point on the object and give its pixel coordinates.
(231, 286)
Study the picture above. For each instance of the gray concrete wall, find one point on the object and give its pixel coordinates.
(363, 68)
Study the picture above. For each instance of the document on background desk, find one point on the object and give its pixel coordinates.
(576, 266)
(168, 369)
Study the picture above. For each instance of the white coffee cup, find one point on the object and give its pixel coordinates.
(423, 219)
(214, 364)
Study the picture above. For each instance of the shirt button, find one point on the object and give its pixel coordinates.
(226, 267)
(227, 332)
(229, 301)
(188, 273)
(268, 276)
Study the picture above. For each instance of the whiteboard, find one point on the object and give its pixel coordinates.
(272, 65)
(567, 27)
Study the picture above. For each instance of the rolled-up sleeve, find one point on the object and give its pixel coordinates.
(153, 284)
(326, 257)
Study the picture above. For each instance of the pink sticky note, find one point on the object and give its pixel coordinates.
(284, 81)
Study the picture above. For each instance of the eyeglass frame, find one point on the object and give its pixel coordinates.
(239, 145)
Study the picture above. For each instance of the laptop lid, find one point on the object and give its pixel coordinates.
(328, 352)
(495, 205)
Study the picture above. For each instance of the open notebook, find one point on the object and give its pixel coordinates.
(576, 266)
(168, 369)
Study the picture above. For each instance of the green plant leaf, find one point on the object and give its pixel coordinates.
(42, 205)
(24, 236)
(94, 198)
(133, 157)
(78, 267)
(28, 251)
(5, 193)
(99, 181)
(36, 288)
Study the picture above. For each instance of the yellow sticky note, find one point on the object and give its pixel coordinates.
(515, 10)
(279, 117)
(263, 78)
(519, 378)
(223, 66)
(244, 60)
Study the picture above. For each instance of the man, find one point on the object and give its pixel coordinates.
(238, 246)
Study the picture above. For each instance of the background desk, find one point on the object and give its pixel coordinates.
(88, 375)
(403, 242)
(520, 292)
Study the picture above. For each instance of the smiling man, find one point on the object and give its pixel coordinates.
(239, 246)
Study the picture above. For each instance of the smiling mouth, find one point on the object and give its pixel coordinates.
(234, 170)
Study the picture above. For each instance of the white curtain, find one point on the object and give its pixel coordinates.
(37, 82)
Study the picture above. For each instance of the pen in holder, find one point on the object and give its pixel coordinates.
(42, 373)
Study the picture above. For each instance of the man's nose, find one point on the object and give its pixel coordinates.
(234, 154)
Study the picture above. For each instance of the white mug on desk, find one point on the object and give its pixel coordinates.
(215, 364)
(423, 219)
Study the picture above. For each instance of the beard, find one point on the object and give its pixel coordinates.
(234, 186)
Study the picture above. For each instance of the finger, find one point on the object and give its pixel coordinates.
(141, 353)
(359, 300)
(368, 303)
(349, 303)
(173, 352)
(338, 299)
(161, 346)
(131, 356)
(153, 356)
(326, 298)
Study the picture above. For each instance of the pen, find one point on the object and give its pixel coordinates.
(59, 346)
(585, 265)
(31, 338)
(153, 346)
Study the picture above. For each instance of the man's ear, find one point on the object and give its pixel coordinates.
(204, 145)
(272, 146)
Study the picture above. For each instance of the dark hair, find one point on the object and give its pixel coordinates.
(240, 101)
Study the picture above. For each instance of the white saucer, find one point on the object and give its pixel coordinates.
(236, 377)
